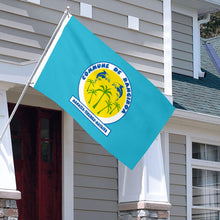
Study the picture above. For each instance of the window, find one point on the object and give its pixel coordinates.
(46, 140)
(205, 181)
(16, 138)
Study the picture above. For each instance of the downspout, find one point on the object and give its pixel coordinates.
(205, 20)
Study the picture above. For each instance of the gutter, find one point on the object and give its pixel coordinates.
(206, 19)
(195, 116)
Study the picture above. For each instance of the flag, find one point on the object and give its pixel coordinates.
(112, 101)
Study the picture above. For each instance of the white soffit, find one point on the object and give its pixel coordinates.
(15, 72)
(203, 6)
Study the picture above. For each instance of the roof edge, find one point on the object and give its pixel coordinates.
(195, 116)
(215, 2)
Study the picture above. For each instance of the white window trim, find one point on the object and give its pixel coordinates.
(196, 36)
(189, 176)
(200, 164)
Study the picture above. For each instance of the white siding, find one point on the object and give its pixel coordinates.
(177, 176)
(182, 33)
(95, 175)
(26, 29)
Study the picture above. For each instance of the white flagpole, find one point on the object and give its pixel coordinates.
(66, 13)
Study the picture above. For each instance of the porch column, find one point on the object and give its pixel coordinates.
(143, 191)
(8, 192)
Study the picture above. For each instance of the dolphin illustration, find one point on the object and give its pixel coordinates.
(102, 75)
(119, 88)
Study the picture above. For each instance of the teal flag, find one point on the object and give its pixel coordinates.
(112, 101)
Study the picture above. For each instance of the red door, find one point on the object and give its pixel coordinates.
(36, 142)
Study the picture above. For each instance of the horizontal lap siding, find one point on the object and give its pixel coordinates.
(177, 176)
(143, 49)
(26, 29)
(182, 33)
(95, 179)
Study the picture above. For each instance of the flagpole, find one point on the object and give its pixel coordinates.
(66, 13)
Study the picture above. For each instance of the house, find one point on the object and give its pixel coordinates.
(58, 170)
(196, 159)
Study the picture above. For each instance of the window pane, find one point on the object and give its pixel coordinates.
(17, 149)
(16, 127)
(206, 190)
(206, 152)
(16, 138)
(199, 214)
(199, 177)
(199, 185)
(46, 151)
(213, 152)
(198, 151)
(45, 128)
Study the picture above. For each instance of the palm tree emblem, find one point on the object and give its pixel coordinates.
(91, 82)
(108, 105)
(92, 92)
(105, 91)
(117, 106)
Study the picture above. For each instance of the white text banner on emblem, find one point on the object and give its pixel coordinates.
(90, 115)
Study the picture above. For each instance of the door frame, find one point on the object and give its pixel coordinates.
(67, 166)
(67, 145)
(36, 99)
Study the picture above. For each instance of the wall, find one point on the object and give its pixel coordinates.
(182, 33)
(177, 155)
(26, 29)
(8, 209)
(95, 176)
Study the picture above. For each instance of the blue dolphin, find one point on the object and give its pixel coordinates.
(102, 75)
(119, 88)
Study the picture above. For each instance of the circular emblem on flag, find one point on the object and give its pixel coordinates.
(106, 91)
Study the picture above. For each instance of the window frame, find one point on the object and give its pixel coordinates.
(198, 164)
